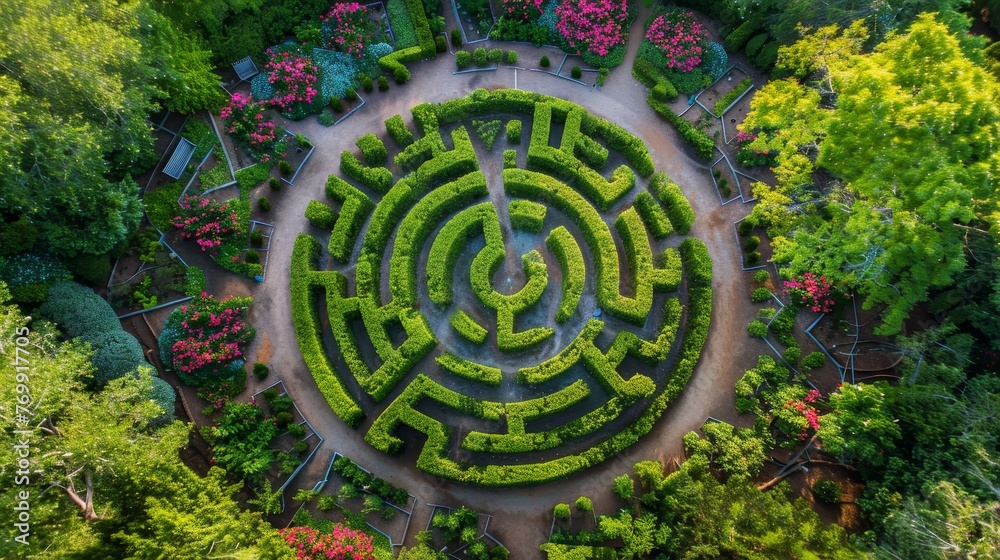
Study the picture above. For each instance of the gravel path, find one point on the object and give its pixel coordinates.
(521, 517)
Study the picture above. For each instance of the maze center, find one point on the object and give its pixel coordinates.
(530, 321)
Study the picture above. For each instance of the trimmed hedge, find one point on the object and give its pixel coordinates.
(362, 479)
(468, 327)
(398, 131)
(653, 216)
(79, 311)
(513, 130)
(355, 208)
(526, 215)
(448, 246)
(320, 215)
(590, 152)
(674, 202)
(116, 354)
(470, 370)
(392, 63)
(378, 179)
(703, 144)
(574, 271)
(651, 77)
(373, 149)
(304, 284)
(484, 265)
(736, 40)
(509, 159)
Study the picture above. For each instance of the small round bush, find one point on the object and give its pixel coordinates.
(256, 239)
(583, 503)
(753, 258)
(261, 370)
(283, 419)
(751, 243)
(792, 354)
(383, 83)
(456, 38)
(401, 75)
(367, 84)
(760, 295)
(761, 276)
(576, 72)
(296, 430)
(251, 256)
(264, 204)
(745, 227)
(544, 62)
(285, 168)
(336, 104)
(602, 75)
(813, 360)
(495, 56)
(440, 45)
(326, 503)
(826, 491)
(463, 59)
(116, 353)
(79, 311)
(351, 94)
(561, 511)
(757, 329)
(514, 131)
(300, 447)
(511, 57)
(479, 57)
(274, 183)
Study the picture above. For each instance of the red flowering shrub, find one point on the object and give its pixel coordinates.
(292, 77)
(245, 121)
(682, 39)
(814, 292)
(749, 155)
(211, 336)
(349, 27)
(343, 543)
(593, 25)
(522, 10)
(206, 221)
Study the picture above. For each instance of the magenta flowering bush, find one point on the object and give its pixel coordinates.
(349, 29)
(682, 39)
(747, 154)
(815, 292)
(593, 25)
(212, 335)
(245, 121)
(342, 543)
(206, 221)
(522, 10)
(292, 77)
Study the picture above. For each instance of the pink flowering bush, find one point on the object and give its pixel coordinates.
(803, 415)
(682, 39)
(522, 10)
(245, 121)
(593, 25)
(349, 29)
(748, 154)
(292, 77)
(815, 292)
(343, 543)
(206, 221)
(211, 337)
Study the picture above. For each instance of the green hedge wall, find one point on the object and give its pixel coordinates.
(448, 245)
(574, 271)
(470, 370)
(468, 327)
(398, 131)
(526, 215)
(355, 208)
(653, 216)
(321, 215)
(378, 179)
(703, 144)
(373, 149)
(673, 200)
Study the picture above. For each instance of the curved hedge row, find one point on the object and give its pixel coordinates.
(320, 215)
(378, 179)
(304, 284)
(653, 216)
(468, 327)
(703, 144)
(484, 266)
(470, 370)
(398, 131)
(574, 271)
(355, 208)
(448, 245)
(526, 215)
(373, 149)
(673, 200)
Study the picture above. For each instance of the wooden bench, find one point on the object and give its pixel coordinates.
(180, 158)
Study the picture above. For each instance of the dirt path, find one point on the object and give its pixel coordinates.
(521, 516)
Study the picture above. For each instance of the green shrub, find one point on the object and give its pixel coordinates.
(379, 179)
(351, 94)
(760, 295)
(494, 56)
(251, 256)
(92, 269)
(513, 130)
(544, 62)
(813, 360)
(479, 57)
(256, 238)
(336, 104)
(511, 57)
(274, 183)
(754, 45)
(456, 38)
(261, 370)
(703, 144)
(739, 37)
(165, 397)
(440, 44)
(79, 311)
(321, 215)
(509, 159)
(299, 447)
(470, 370)
(526, 215)
(373, 149)
(383, 83)
(757, 329)
(367, 84)
(677, 206)
(326, 117)
(792, 355)
(401, 75)
(264, 204)
(194, 281)
(561, 511)
(753, 258)
(727, 99)
(827, 491)
(584, 503)
(116, 354)
(468, 327)
(624, 487)
(398, 131)
(767, 56)
(751, 243)
(761, 276)
(463, 59)
(355, 207)
(653, 215)
(745, 227)
(285, 168)
(576, 73)
(296, 430)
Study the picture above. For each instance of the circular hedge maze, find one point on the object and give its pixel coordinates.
(527, 314)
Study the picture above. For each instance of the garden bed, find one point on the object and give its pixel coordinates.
(149, 274)
(725, 180)
(475, 18)
(718, 97)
